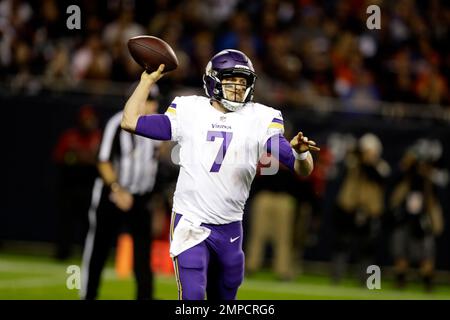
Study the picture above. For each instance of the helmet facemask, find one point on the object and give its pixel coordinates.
(236, 92)
(233, 95)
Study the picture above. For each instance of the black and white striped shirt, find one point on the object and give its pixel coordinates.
(133, 157)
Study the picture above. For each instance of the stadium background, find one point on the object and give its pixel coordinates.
(315, 60)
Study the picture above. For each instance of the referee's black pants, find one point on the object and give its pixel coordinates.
(105, 223)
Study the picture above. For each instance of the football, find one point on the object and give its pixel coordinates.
(149, 52)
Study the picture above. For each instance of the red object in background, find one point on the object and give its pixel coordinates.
(82, 147)
(124, 256)
(160, 261)
(79, 145)
(318, 176)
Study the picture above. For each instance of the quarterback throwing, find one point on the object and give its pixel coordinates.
(222, 137)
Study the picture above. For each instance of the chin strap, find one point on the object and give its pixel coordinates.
(232, 106)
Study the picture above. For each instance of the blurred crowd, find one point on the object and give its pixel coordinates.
(301, 49)
(400, 202)
(377, 207)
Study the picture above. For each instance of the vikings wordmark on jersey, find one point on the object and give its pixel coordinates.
(218, 156)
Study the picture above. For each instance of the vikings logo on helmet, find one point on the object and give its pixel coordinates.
(225, 64)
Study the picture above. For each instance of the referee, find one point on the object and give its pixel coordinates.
(127, 166)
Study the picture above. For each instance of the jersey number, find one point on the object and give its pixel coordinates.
(226, 136)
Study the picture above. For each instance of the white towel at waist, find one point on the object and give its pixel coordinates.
(187, 234)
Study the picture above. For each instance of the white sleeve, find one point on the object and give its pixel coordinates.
(174, 114)
(272, 125)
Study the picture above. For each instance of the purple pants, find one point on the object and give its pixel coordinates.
(213, 268)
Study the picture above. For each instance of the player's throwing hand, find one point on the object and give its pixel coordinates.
(302, 144)
(155, 75)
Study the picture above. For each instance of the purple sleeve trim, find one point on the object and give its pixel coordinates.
(154, 126)
(284, 154)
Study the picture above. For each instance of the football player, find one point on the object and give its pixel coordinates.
(221, 137)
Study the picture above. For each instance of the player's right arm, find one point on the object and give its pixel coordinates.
(135, 106)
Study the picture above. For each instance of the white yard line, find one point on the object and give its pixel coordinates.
(31, 283)
(48, 274)
(30, 267)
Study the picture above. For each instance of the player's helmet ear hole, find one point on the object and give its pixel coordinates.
(229, 63)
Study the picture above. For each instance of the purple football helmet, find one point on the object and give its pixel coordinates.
(229, 63)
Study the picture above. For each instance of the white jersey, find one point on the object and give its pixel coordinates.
(219, 153)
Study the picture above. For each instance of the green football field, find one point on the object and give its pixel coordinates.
(30, 277)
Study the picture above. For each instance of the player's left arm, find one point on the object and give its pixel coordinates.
(294, 155)
(301, 146)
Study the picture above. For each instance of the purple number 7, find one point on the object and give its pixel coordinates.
(226, 136)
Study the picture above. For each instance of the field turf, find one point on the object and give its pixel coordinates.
(41, 278)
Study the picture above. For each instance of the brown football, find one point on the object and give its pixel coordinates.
(149, 52)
